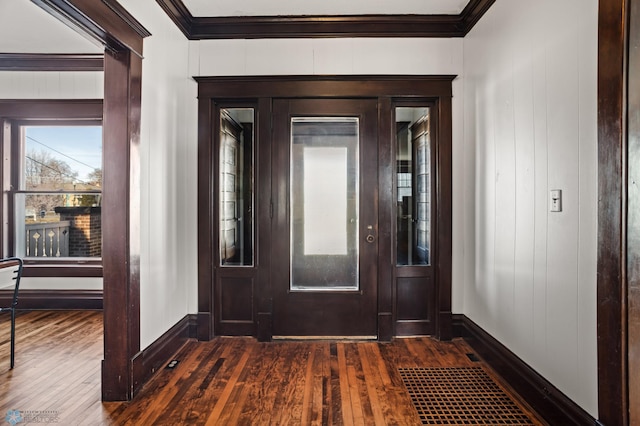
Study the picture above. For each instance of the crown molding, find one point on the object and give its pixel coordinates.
(206, 28)
(105, 22)
(51, 62)
(472, 13)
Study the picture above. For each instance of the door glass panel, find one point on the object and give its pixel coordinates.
(236, 186)
(413, 186)
(324, 203)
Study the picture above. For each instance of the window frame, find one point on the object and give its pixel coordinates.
(14, 115)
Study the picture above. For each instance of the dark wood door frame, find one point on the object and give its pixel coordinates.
(213, 91)
(633, 240)
(617, 192)
(108, 23)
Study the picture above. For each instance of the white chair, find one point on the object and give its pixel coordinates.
(10, 274)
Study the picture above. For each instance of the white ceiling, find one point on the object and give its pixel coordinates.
(211, 8)
(27, 28)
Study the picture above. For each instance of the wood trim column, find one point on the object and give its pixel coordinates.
(612, 146)
(444, 219)
(121, 222)
(386, 214)
(110, 24)
(263, 229)
(633, 218)
(206, 216)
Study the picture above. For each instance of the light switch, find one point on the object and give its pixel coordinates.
(555, 200)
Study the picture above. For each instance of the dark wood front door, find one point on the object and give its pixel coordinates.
(386, 293)
(325, 217)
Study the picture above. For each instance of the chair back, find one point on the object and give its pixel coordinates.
(10, 274)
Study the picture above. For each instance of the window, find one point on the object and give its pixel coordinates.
(236, 186)
(57, 201)
(413, 186)
(51, 174)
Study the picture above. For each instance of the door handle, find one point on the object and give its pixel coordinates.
(370, 238)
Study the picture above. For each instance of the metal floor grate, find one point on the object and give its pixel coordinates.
(460, 396)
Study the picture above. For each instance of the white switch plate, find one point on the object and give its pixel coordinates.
(555, 200)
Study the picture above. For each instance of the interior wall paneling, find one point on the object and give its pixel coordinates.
(530, 124)
(47, 85)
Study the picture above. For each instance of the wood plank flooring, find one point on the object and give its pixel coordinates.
(228, 381)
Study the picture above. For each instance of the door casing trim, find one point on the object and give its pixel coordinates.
(261, 90)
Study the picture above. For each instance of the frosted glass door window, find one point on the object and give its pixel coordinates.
(325, 184)
(324, 203)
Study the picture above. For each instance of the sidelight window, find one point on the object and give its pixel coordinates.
(236, 186)
(413, 186)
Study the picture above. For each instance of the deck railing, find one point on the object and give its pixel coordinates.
(48, 239)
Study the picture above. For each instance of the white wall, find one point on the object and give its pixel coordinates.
(39, 31)
(51, 85)
(530, 99)
(60, 283)
(327, 56)
(168, 184)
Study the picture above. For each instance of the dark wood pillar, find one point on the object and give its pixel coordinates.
(263, 208)
(444, 221)
(387, 209)
(633, 218)
(121, 222)
(205, 219)
(612, 145)
(108, 23)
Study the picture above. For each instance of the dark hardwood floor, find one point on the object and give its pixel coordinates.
(226, 381)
